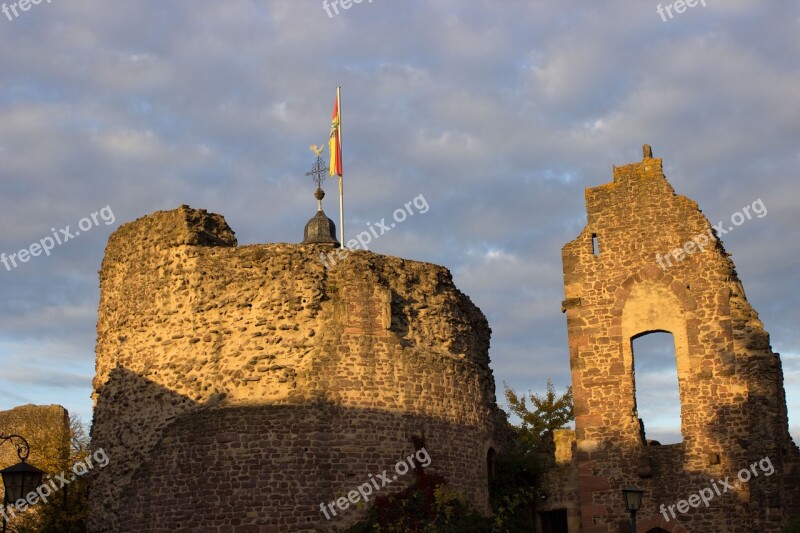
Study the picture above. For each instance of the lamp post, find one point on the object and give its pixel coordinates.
(21, 478)
(633, 501)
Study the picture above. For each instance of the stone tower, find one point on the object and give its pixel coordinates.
(619, 286)
(239, 388)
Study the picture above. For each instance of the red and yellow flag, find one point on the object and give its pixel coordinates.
(335, 144)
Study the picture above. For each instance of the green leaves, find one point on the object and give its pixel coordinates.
(548, 412)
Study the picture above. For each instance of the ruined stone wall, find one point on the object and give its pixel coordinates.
(731, 385)
(559, 484)
(237, 388)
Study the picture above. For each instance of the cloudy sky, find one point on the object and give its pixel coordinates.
(498, 113)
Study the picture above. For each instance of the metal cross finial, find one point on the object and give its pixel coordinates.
(318, 172)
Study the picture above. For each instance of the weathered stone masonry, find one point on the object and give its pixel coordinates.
(237, 388)
(733, 409)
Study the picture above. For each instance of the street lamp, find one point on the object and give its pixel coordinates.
(20, 479)
(633, 501)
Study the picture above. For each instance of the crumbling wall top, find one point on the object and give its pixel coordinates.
(178, 227)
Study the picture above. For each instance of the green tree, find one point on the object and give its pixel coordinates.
(548, 412)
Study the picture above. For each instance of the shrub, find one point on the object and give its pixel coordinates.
(793, 526)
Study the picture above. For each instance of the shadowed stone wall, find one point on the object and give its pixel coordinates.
(733, 409)
(237, 388)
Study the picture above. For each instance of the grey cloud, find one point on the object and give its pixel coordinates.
(500, 115)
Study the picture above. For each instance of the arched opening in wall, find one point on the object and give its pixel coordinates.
(655, 374)
(657, 530)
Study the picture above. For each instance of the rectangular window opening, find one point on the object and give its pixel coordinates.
(657, 388)
(595, 247)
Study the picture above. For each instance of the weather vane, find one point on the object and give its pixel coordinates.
(318, 173)
(319, 170)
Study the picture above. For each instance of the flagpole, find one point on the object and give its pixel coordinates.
(341, 184)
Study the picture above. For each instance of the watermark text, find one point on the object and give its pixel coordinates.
(47, 244)
(334, 5)
(375, 231)
(365, 490)
(717, 488)
(50, 486)
(703, 240)
(23, 5)
(679, 6)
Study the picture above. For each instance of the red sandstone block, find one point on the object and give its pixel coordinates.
(590, 484)
(579, 340)
(594, 529)
(617, 369)
(589, 421)
(588, 511)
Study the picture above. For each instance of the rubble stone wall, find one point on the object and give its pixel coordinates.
(733, 409)
(238, 387)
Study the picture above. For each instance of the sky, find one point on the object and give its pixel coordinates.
(498, 114)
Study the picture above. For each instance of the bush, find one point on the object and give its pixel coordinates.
(793, 526)
(429, 506)
(514, 491)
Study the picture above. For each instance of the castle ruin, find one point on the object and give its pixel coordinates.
(241, 388)
(618, 286)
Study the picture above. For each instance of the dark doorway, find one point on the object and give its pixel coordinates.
(554, 521)
(657, 530)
